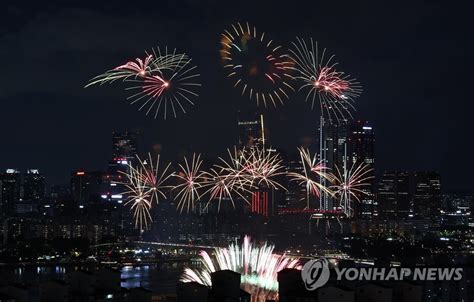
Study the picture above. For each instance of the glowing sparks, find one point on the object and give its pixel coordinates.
(262, 167)
(225, 186)
(233, 178)
(243, 172)
(349, 184)
(139, 199)
(335, 90)
(257, 264)
(192, 179)
(252, 168)
(313, 172)
(256, 65)
(169, 90)
(165, 82)
(145, 186)
(138, 68)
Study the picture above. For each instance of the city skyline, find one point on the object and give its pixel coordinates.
(244, 151)
(426, 139)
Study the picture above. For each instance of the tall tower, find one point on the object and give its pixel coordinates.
(251, 129)
(33, 185)
(345, 145)
(251, 126)
(124, 145)
(124, 151)
(325, 142)
(10, 190)
(85, 186)
(361, 146)
(427, 197)
(334, 152)
(393, 194)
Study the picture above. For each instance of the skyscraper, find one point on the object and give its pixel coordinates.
(393, 194)
(295, 193)
(10, 190)
(361, 144)
(124, 145)
(334, 152)
(85, 186)
(427, 194)
(352, 143)
(124, 152)
(33, 185)
(251, 129)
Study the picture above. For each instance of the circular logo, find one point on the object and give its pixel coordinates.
(315, 273)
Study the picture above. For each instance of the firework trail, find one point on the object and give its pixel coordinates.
(161, 82)
(313, 171)
(139, 68)
(170, 89)
(225, 185)
(233, 168)
(335, 90)
(139, 198)
(258, 266)
(261, 167)
(349, 185)
(145, 185)
(256, 65)
(192, 179)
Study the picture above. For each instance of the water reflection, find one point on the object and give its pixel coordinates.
(135, 276)
(153, 277)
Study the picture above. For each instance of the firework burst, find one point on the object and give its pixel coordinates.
(335, 90)
(262, 167)
(161, 81)
(168, 89)
(349, 184)
(256, 65)
(257, 264)
(224, 185)
(313, 171)
(145, 186)
(139, 68)
(243, 172)
(192, 179)
(139, 198)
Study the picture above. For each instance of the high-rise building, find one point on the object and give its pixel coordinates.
(361, 143)
(251, 129)
(252, 134)
(86, 186)
(427, 194)
(260, 203)
(124, 151)
(295, 193)
(334, 152)
(33, 185)
(351, 143)
(60, 192)
(403, 193)
(10, 190)
(124, 145)
(393, 194)
(387, 194)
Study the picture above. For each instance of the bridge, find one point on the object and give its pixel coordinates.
(154, 243)
(338, 257)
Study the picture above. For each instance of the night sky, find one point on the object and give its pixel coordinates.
(412, 59)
